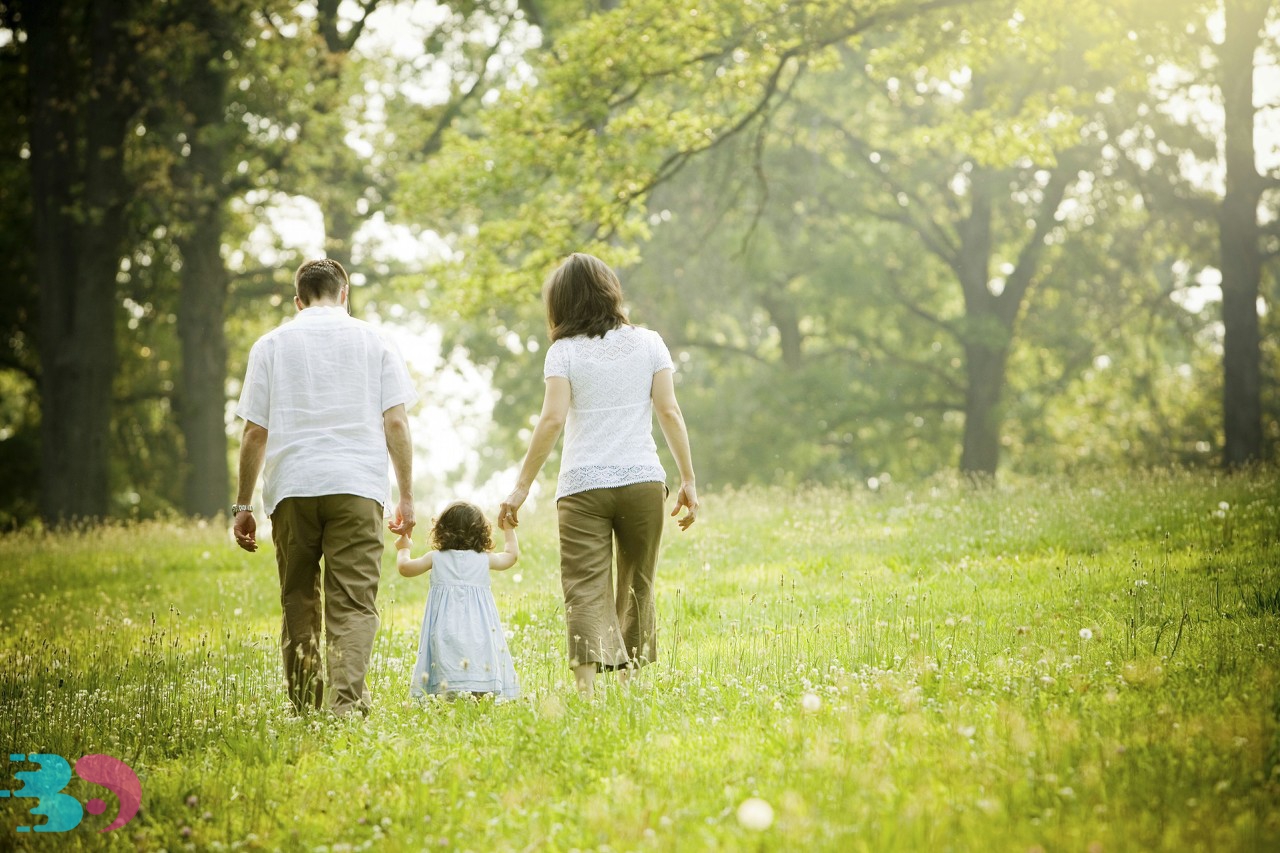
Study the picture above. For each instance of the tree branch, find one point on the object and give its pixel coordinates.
(729, 348)
(1019, 281)
(456, 105)
(677, 160)
(928, 316)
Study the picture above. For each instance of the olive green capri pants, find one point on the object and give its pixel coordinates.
(612, 625)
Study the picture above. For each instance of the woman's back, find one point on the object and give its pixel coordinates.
(609, 428)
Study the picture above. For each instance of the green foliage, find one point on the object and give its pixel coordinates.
(805, 264)
(622, 101)
(1035, 664)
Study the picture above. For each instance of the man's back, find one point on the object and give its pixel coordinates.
(319, 385)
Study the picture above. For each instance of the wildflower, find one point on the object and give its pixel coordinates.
(755, 813)
(1086, 634)
(192, 801)
(967, 731)
(811, 703)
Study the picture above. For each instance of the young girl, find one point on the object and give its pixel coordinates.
(463, 648)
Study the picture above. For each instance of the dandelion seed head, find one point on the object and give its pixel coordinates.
(755, 813)
(1086, 634)
(811, 703)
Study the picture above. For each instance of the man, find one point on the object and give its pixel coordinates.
(324, 405)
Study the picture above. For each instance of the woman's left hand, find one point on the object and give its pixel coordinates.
(687, 498)
(510, 509)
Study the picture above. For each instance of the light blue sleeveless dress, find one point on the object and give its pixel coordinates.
(463, 648)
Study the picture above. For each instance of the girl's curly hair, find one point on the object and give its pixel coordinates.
(462, 527)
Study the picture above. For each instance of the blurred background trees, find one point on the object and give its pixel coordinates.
(883, 239)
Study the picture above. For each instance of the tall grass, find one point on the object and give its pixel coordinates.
(1069, 666)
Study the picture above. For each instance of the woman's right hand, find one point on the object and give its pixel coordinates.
(508, 513)
(687, 498)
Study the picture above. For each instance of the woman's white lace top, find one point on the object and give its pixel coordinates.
(608, 438)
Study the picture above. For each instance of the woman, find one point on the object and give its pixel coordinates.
(605, 378)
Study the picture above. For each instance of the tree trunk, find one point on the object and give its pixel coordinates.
(204, 282)
(985, 374)
(339, 235)
(339, 230)
(78, 122)
(985, 342)
(1239, 243)
(202, 409)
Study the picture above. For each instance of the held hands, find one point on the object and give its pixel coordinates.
(404, 542)
(403, 522)
(687, 498)
(509, 512)
(246, 531)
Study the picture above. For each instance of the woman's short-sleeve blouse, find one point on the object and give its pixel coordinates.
(609, 430)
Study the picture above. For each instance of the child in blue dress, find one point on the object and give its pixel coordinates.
(463, 649)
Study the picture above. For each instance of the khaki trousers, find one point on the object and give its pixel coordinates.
(611, 625)
(346, 531)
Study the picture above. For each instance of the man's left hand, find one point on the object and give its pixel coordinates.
(404, 521)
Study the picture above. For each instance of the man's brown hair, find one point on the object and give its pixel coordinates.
(320, 279)
(582, 297)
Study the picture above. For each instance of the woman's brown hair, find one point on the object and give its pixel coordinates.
(462, 527)
(582, 297)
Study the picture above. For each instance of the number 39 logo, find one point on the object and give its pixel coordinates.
(64, 812)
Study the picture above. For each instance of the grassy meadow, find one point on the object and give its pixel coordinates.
(1076, 666)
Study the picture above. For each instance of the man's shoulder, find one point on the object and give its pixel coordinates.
(268, 337)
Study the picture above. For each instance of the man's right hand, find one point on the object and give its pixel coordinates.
(246, 531)
(403, 522)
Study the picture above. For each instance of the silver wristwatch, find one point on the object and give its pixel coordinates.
(239, 508)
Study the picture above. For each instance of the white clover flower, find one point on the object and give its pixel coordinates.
(967, 731)
(755, 813)
(811, 703)
(1086, 634)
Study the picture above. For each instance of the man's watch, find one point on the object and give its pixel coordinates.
(236, 509)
